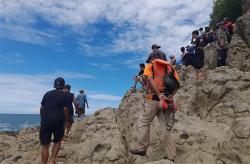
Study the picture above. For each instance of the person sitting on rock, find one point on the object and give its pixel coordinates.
(139, 78)
(222, 45)
(54, 116)
(81, 101)
(70, 98)
(153, 108)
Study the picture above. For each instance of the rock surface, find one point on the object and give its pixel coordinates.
(213, 125)
(243, 26)
(239, 54)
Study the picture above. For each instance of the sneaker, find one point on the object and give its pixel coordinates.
(138, 152)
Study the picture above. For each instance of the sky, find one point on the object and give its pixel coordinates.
(95, 45)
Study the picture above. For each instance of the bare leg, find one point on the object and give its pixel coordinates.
(55, 150)
(67, 131)
(197, 74)
(45, 154)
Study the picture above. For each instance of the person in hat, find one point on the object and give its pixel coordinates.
(81, 101)
(156, 52)
(54, 116)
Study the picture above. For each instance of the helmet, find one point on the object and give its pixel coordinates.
(59, 83)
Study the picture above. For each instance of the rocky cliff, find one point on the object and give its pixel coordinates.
(213, 125)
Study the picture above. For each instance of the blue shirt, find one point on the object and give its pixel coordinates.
(81, 100)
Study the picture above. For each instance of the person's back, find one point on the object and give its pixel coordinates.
(54, 118)
(69, 100)
(53, 103)
(81, 100)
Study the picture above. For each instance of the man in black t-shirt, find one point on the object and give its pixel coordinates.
(70, 100)
(54, 115)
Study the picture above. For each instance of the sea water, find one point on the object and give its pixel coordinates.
(15, 122)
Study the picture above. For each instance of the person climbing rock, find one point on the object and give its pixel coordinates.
(81, 101)
(155, 105)
(157, 52)
(199, 55)
(70, 99)
(229, 26)
(222, 46)
(54, 116)
(139, 78)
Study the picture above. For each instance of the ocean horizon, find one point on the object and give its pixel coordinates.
(15, 122)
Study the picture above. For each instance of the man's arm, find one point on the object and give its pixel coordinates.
(86, 101)
(155, 89)
(75, 103)
(66, 117)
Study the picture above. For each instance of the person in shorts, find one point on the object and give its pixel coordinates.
(70, 98)
(54, 116)
(81, 101)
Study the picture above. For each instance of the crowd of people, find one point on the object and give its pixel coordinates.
(194, 55)
(160, 80)
(57, 116)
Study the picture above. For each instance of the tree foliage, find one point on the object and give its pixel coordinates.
(225, 8)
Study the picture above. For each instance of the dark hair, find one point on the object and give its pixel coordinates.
(207, 29)
(182, 49)
(201, 28)
(142, 65)
(67, 86)
(195, 32)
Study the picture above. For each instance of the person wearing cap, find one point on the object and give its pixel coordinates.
(156, 52)
(152, 108)
(54, 116)
(222, 46)
(81, 101)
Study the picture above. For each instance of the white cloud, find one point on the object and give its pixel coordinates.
(15, 58)
(105, 97)
(150, 21)
(104, 66)
(22, 93)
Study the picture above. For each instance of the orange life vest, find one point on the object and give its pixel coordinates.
(159, 72)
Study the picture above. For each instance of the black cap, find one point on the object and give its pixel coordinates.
(59, 83)
(155, 46)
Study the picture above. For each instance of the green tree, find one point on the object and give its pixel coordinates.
(225, 8)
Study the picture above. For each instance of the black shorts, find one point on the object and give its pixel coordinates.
(199, 59)
(46, 131)
(82, 110)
